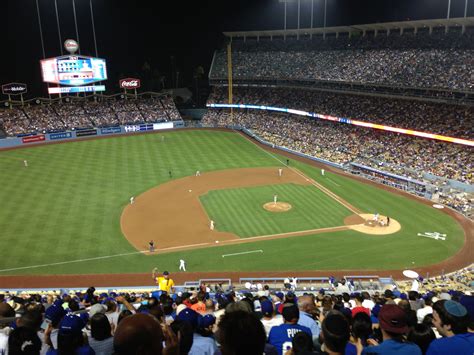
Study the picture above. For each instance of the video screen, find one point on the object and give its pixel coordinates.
(73, 70)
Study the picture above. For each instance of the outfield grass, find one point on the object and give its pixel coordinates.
(240, 211)
(67, 204)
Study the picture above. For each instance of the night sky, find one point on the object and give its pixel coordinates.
(131, 32)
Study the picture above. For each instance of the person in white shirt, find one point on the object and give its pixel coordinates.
(182, 265)
(427, 309)
(269, 318)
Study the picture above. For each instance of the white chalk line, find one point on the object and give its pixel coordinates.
(312, 181)
(335, 183)
(244, 252)
(98, 258)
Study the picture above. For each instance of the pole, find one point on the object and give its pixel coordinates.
(59, 28)
(284, 18)
(325, 7)
(93, 28)
(299, 10)
(449, 9)
(40, 27)
(312, 12)
(465, 8)
(229, 77)
(75, 24)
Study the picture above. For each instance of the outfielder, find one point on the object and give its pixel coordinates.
(322, 172)
(25, 162)
(182, 265)
(211, 225)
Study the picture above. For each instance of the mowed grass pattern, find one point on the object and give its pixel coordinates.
(66, 206)
(240, 211)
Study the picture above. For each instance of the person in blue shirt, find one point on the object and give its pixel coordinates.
(451, 320)
(281, 336)
(306, 306)
(393, 323)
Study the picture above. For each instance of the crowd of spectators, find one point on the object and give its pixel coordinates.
(343, 143)
(423, 61)
(83, 113)
(269, 321)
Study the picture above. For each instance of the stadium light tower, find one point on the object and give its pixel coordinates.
(299, 13)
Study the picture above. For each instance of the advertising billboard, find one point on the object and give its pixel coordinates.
(129, 83)
(74, 89)
(73, 70)
(35, 138)
(14, 89)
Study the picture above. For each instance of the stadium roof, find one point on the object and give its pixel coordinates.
(384, 26)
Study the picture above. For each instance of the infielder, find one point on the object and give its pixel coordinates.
(280, 172)
(182, 265)
(211, 225)
(198, 173)
(132, 200)
(151, 244)
(322, 172)
(25, 162)
(275, 198)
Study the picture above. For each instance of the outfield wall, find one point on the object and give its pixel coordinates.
(35, 139)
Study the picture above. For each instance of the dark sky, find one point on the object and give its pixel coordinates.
(130, 32)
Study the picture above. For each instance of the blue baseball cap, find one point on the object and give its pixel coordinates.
(267, 307)
(54, 313)
(71, 324)
(206, 321)
(189, 315)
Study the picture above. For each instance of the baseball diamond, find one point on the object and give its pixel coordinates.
(72, 203)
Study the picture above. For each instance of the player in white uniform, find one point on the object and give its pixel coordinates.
(211, 225)
(280, 172)
(25, 162)
(132, 200)
(275, 198)
(198, 173)
(182, 265)
(322, 172)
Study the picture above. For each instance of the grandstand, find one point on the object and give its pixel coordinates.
(89, 212)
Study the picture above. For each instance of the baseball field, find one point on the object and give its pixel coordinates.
(69, 211)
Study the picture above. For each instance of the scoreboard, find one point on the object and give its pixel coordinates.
(73, 70)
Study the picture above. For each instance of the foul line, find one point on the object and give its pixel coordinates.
(74, 261)
(313, 182)
(244, 252)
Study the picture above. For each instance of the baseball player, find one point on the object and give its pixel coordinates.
(376, 217)
(132, 200)
(322, 172)
(182, 265)
(211, 225)
(275, 198)
(25, 163)
(198, 173)
(170, 174)
(280, 172)
(151, 245)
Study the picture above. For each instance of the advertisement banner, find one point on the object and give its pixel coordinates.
(110, 130)
(62, 135)
(14, 89)
(163, 125)
(31, 139)
(73, 89)
(129, 83)
(86, 132)
(132, 128)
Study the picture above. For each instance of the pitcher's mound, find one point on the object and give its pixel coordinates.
(365, 223)
(277, 207)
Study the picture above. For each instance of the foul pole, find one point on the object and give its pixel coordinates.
(229, 76)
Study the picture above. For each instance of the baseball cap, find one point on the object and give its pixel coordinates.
(189, 315)
(166, 273)
(71, 324)
(393, 319)
(280, 295)
(468, 302)
(454, 308)
(290, 312)
(267, 308)
(54, 313)
(206, 321)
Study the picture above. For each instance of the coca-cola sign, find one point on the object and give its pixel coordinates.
(14, 89)
(71, 46)
(130, 83)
